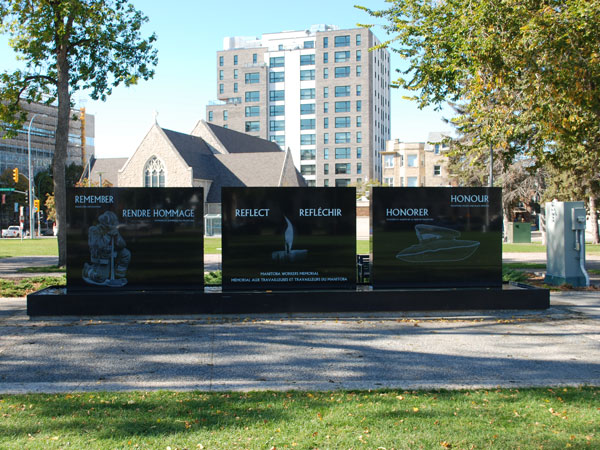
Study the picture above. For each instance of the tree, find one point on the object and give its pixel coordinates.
(526, 72)
(68, 45)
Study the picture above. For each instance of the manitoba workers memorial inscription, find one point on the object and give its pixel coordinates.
(289, 238)
(135, 239)
(436, 237)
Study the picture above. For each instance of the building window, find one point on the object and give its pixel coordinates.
(235, 74)
(307, 124)
(325, 42)
(221, 62)
(225, 115)
(308, 169)
(358, 71)
(342, 41)
(307, 60)
(279, 140)
(326, 182)
(342, 153)
(325, 107)
(307, 75)
(358, 137)
(309, 44)
(308, 139)
(210, 116)
(412, 161)
(359, 152)
(358, 55)
(221, 88)
(276, 96)
(325, 58)
(388, 181)
(411, 182)
(325, 153)
(252, 78)
(437, 171)
(252, 111)
(307, 108)
(358, 168)
(307, 94)
(277, 125)
(326, 169)
(235, 60)
(254, 58)
(253, 96)
(325, 73)
(221, 74)
(358, 39)
(358, 121)
(325, 92)
(235, 87)
(325, 122)
(343, 138)
(342, 56)
(252, 126)
(436, 149)
(388, 161)
(276, 77)
(342, 122)
(342, 182)
(358, 105)
(280, 47)
(277, 61)
(342, 168)
(342, 91)
(276, 110)
(308, 154)
(342, 107)
(154, 173)
(358, 90)
(342, 72)
(325, 138)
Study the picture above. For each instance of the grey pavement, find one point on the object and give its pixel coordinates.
(469, 349)
(558, 346)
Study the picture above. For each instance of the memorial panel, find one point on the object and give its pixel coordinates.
(135, 238)
(436, 237)
(289, 238)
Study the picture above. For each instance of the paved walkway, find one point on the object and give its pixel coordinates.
(558, 346)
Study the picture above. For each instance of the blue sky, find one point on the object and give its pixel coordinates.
(190, 32)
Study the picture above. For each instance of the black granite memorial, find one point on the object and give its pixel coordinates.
(131, 239)
(288, 238)
(436, 237)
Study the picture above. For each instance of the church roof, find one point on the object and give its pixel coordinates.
(106, 170)
(249, 161)
(236, 142)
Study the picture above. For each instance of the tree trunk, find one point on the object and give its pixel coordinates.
(60, 154)
(594, 220)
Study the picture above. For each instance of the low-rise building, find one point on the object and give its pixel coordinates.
(414, 164)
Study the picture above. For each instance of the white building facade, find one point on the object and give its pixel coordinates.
(320, 92)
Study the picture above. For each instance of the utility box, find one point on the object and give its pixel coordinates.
(565, 250)
(519, 232)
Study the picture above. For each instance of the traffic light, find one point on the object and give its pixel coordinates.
(36, 205)
(16, 174)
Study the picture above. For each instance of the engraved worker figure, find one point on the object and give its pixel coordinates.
(108, 255)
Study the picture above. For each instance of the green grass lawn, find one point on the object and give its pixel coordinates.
(389, 419)
(535, 247)
(28, 247)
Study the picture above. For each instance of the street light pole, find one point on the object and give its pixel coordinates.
(30, 177)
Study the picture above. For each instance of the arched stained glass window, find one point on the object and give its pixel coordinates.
(154, 173)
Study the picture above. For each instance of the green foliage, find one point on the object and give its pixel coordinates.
(495, 418)
(213, 278)
(20, 287)
(509, 274)
(66, 46)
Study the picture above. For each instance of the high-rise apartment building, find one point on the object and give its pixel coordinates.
(319, 92)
